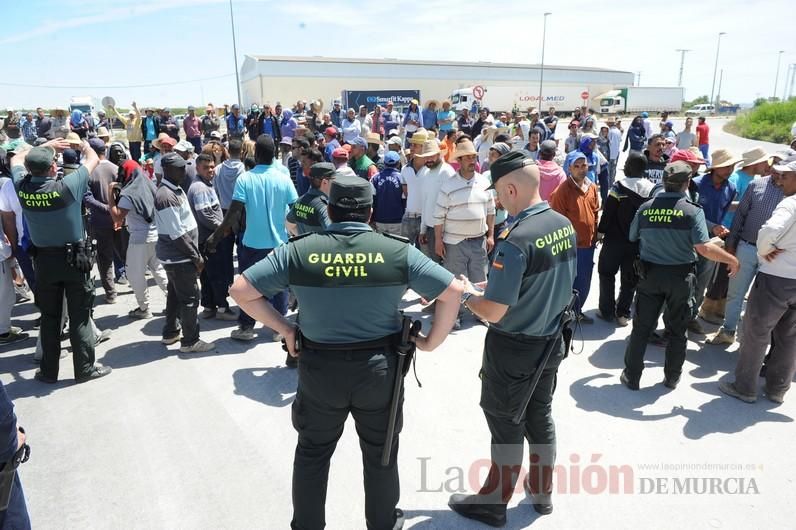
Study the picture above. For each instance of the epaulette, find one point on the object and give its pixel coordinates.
(300, 236)
(694, 203)
(402, 239)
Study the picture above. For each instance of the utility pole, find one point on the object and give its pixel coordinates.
(792, 80)
(541, 71)
(776, 79)
(638, 82)
(787, 84)
(235, 51)
(682, 63)
(718, 94)
(715, 68)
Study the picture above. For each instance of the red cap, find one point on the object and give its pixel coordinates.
(340, 153)
(574, 122)
(686, 155)
(330, 131)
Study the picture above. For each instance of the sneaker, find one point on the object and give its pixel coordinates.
(731, 390)
(96, 372)
(37, 323)
(139, 314)
(207, 313)
(168, 341)
(622, 322)
(541, 503)
(13, 336)
(722, 337)
(585, 319)
(241, 333)
(710, 317)
(39, 376)
(104, 335)
(226, 314)
(695, 327)
(22, 294)
(632, 385)
(671, 382)
(110, 298)
(603, 316)
(473, 507)
(122, 280)
(399, 519)
(774, 397)
(199, 346)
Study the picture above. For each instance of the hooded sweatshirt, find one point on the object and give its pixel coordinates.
(287, 128)
(550, 177)
(624, 199)
(224, 182)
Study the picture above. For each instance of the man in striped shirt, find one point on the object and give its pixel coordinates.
(465, 219)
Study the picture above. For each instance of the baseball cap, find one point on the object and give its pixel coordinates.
(184, 146)
(166, 109)
(96, 144)
(391, 158)
(322, 170)
(677, 172)
(548, 147)
(351, 192)
(340, 153)
(191, 107)
(508, 163)
(330, 131)
(71, 158)
(172, 160)
(39, 159)
(686, 155)
(645, 115)
(395, 140)
(359, 142)
(789, 164)
(235, 107)
(215, 135)
(500, 147)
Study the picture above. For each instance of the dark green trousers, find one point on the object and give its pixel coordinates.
(508, 366)
(54, 278)
(331, 385)
(673, 285)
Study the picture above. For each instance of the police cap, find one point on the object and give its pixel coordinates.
(322, 170)
(351, 192)
(508, 163)
(677, 172)
(39, 159)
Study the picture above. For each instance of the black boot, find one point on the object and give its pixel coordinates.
(475, 507)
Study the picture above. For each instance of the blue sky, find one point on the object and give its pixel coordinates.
(174, 43)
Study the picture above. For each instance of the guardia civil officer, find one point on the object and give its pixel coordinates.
(63, 256)
(529, 286)
(671, 231)
(348, 360)
(308, 213)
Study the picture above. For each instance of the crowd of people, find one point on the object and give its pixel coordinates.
(181, 202)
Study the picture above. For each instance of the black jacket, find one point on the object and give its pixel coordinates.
(619, 209)
(143, 125)
(275, 126)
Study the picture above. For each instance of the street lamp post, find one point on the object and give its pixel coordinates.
(235, 51)
(776, 79)
(541, 71)
(716, 68)
(682, 63)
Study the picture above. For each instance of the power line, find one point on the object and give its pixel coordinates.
(149, 85)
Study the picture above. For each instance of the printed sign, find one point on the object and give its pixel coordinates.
(370, 98)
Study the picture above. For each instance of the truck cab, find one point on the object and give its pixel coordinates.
(611, 102)
(85, 104)
(462, 99)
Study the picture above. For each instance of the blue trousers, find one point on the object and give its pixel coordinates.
(583, 277)
(246, 258)
(703, 148)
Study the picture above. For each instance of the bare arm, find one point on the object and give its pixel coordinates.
(9, 220)
(445, 313)
(714, 253)
(229, 224)
(292, 228)
(90, 158)
(253, 303)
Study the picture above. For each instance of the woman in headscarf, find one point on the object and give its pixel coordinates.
(78, 124)
(587, 145)
(636, 136)
(413, 119)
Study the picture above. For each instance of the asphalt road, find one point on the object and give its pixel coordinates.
(205, 441)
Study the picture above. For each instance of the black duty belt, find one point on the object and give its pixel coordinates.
(521, 337)
(384, 342)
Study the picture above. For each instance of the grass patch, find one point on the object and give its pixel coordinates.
(769, 122)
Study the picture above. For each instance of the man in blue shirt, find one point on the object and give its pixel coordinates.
(266, 193)
(236, 123)
(388, 204)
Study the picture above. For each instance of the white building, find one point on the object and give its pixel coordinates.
(288, 79)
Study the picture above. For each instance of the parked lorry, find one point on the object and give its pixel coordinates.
(635, 99)
(85, 104)
(509, 98)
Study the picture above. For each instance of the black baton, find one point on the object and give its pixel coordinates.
(406, 348)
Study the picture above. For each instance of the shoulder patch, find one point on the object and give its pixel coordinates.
(397, 238)
(301, 236)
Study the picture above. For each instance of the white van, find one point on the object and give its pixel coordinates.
(701, 110)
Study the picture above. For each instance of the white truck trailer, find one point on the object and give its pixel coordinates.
(635, 99)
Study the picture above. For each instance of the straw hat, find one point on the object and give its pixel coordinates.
(430, 148)
(723, 158)
(73, 138)
(419, 138)
(156, 142)
(374, 138)
(464, 148)
(430, 101)
(755, 156)
(102, 133)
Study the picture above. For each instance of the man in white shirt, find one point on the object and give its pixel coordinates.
(771, 309)
(465, 219)
(431, 178)
(352, 127)
(614, 147)
(413, 192)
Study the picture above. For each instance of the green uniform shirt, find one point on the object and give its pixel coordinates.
(533, 271)
(348, 281)
(667, 228)
(309, 212)
(52, 208)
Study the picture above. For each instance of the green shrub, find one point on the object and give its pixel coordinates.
(770, 122)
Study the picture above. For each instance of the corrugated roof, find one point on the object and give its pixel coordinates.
(420, 62)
